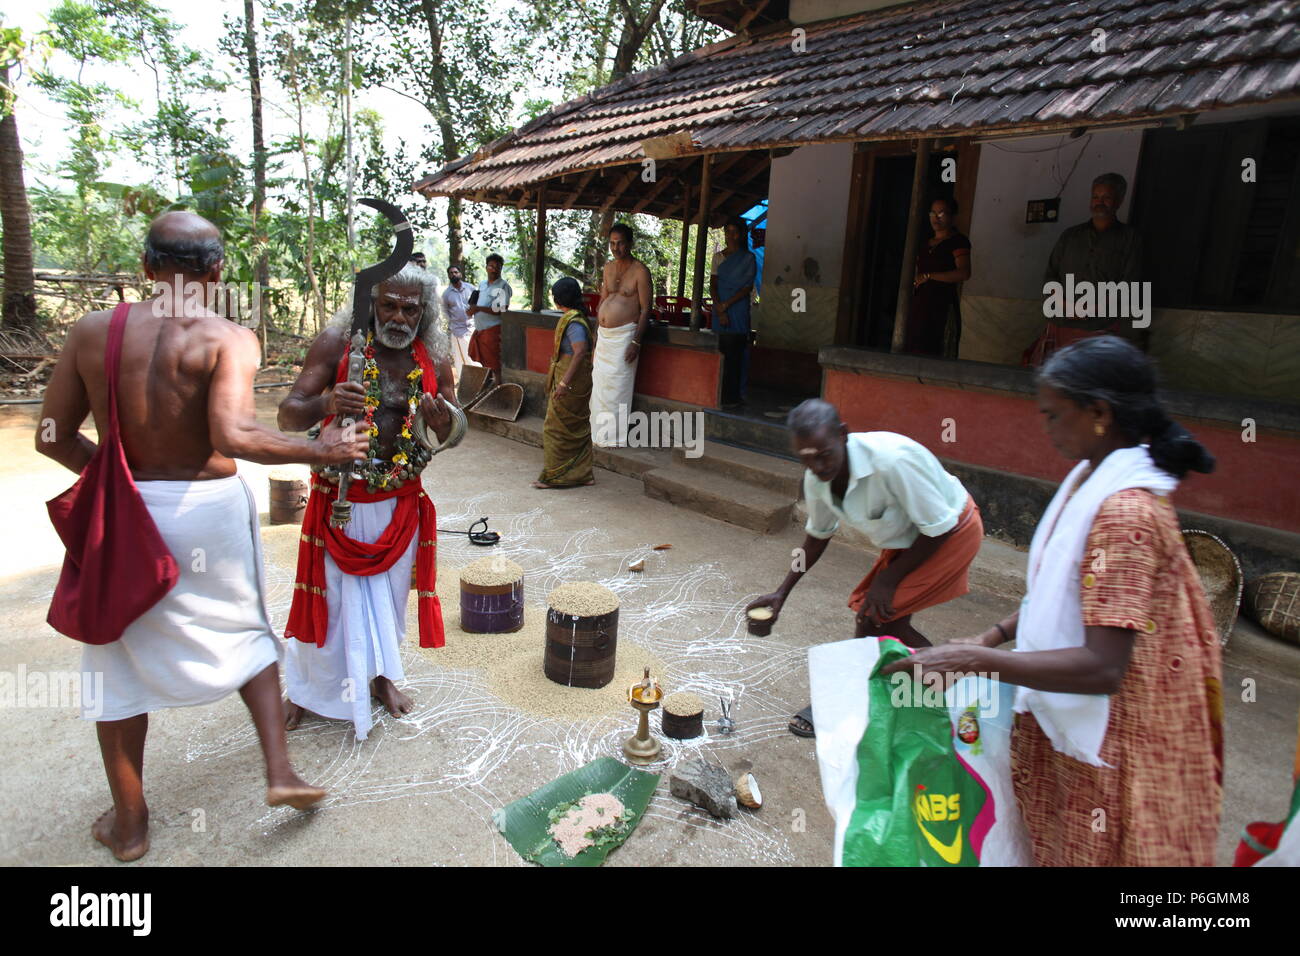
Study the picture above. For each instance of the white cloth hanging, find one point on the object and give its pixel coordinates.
(1051, 615)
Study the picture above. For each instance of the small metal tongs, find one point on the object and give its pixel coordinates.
(725, 724)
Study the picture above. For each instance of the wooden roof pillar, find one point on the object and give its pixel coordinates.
(539, 253)
(701, 243)
(914, 216)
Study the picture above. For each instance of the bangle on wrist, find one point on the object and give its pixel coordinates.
(1003, 631)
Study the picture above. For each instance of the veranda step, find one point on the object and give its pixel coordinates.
(719, 496)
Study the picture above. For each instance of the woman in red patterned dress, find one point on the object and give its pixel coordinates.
(1117, 756)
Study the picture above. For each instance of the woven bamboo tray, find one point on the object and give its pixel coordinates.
(1273, 600)
(1221, 577)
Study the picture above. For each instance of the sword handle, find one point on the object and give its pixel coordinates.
(341, 509)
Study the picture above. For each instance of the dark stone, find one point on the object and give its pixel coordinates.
(706, 785)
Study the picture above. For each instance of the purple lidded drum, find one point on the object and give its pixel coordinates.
(492, 596)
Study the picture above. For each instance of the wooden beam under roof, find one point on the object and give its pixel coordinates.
(663, 183)
(621, 188)
(579, 189)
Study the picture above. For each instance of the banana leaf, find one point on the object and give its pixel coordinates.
(526, 823)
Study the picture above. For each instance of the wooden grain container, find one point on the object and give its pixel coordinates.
(492, 609)
(288, 499)
(679, 725)
(580, 651)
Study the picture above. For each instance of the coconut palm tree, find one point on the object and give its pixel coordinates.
(20, 277)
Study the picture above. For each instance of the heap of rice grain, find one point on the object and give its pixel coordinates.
(510, 663)
(583, 599)
(491, 571)
(683, 704)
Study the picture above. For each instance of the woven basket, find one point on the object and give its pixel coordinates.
(1274, 602)
(1221, 577)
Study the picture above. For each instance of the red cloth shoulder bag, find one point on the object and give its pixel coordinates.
(117, 565)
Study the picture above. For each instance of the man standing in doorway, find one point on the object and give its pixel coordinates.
(1103, 249)
(493, 299)
(625, 299)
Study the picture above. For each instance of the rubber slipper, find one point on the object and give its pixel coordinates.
(798, 731)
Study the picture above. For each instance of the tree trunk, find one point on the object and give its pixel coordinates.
(633, 36)
(442, 111)
(261, 267)
(20, 277)
(317, 303)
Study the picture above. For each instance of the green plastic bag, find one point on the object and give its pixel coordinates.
(918, 804)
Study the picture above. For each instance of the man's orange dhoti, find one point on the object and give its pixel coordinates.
(942, 577)
(485, 347)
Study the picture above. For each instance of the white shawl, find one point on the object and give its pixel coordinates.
(1051, 615)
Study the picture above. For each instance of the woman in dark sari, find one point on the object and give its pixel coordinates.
(942, 263)
(566, 435)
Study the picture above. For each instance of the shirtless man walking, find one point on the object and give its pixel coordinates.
(624, 313)
(185, 403)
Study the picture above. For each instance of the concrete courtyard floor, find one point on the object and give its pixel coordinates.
(422, 790)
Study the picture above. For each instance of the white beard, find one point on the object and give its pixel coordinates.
(394, 335)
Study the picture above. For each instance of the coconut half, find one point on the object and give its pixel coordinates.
(747, 792)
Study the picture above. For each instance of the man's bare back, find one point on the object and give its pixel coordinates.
(185, 398)
(625, 292)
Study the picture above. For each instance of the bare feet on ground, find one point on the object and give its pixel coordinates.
(395, 702)
(291, 790)
(293, 715)
(129, 840)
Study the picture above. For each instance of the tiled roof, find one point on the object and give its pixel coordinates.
(940, 68)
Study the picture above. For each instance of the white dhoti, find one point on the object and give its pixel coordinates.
(210, 634)
(612, 382)
(367, 622)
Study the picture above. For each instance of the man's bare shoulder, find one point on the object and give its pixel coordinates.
(92, 323)
(328, 346)
(640, 269)
(332, 337)
(224, 334)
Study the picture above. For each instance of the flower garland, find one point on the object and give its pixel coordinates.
(411, 457)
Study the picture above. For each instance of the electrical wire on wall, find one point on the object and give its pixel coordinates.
(1056, 160)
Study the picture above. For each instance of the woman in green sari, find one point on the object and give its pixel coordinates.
(566, 436)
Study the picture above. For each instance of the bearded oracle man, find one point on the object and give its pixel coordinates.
(348, 616)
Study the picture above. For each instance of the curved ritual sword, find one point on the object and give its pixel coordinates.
(367, 279)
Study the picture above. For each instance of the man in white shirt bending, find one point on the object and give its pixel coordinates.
(896, 492)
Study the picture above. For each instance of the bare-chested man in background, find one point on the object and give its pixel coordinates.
(185, 404)
(625, 298)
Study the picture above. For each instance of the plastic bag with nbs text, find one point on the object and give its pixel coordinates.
(913, 777)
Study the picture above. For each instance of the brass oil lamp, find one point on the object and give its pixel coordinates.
(642, 747)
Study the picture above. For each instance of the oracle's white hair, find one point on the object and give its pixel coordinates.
(430, 330)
